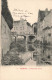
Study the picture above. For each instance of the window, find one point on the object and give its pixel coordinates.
(14, 28)
(22, 23)
(20, 28)
(49, 34)
(5, 30)
(20, 32)
(23, 27)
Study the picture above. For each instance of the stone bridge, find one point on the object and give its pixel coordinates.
(26, 36)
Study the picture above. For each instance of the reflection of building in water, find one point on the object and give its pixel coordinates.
(43, 56)
(45, 25)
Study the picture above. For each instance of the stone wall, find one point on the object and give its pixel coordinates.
(47, 22)
(5, 36)
(21, 28)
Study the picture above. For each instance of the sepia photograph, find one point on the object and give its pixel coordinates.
(26, 32)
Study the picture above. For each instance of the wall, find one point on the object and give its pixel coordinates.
(47, 22)
(5, 36)
(46, 35)
(21, 28)
(39, 31)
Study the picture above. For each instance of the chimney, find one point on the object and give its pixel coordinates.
(46, 11)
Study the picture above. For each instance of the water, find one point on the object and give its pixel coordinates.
(41, 54)
(22, 53)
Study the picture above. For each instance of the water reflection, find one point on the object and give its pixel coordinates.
(21, 53)
(42, 55)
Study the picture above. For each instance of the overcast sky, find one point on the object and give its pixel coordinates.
(28, 8)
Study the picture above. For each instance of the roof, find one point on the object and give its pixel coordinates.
(24, 20)
(6, 14)
(16, 21)
(34, 24)
(47, 28)
(28, 24)
(42, 14)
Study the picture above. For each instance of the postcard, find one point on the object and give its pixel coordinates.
(26, 39)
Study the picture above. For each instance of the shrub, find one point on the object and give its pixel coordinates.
(11, 58)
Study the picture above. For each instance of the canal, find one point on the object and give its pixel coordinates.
(22, 53)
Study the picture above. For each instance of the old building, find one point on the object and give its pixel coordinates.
(6, 26)
(5, 36)
(47, 28)
(22, 27)
(35, 28)
(41, 16)
(44, 21)
(47, 35)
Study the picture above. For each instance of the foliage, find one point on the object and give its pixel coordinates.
(11, 58)
(20, 46)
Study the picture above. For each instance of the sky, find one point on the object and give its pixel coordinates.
(28, 9)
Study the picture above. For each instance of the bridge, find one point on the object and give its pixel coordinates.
(27, 37)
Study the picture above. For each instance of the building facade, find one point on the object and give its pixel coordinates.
(6, 26)
(5, 36)
(45, 25)
(22, 27)
(35, 28)
(47, 28)
(47, 35)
